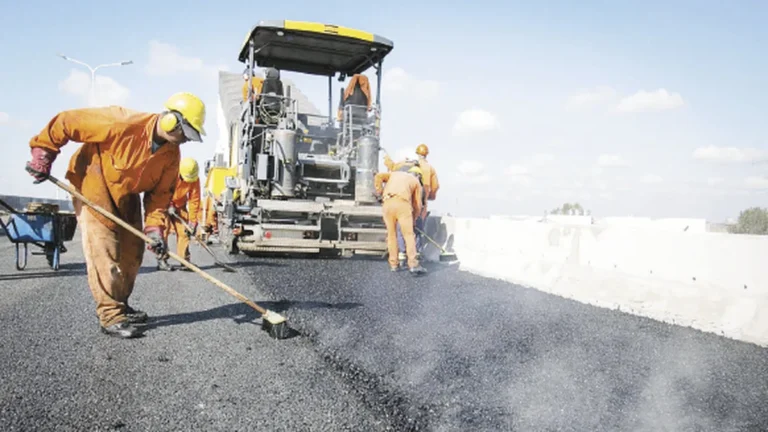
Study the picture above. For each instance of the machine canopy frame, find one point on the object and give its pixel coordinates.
(314, 48)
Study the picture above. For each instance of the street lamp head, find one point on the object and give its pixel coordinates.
(126, 63)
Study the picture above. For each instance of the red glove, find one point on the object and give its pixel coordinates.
(156, 234)
(40, 164)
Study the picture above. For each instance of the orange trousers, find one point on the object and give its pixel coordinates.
(396, 210)
(112, 260)
(182, 239)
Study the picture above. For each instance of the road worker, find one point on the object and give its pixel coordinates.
(431, 186)
(358, 94)
(402, 202)
(210, 219)
(256, 84)
(185, 204)
(124, 153)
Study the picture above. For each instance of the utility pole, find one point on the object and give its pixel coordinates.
(92, 93)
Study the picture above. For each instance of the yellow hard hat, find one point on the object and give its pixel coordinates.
(192, 110)
(422, 150)
(188, 170)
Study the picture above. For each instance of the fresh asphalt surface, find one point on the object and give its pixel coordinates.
(376, 351)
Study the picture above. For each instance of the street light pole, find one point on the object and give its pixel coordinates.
(92, 93)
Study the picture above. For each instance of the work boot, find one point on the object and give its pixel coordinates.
(122, 329)
(418, 270)
(163, 265)
(185, 268)
(135, 316)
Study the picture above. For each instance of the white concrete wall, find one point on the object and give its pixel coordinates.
(713, 282)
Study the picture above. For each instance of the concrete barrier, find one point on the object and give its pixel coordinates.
(713, 282)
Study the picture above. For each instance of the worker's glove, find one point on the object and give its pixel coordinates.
(172, 211)
(40, 164)
(193, 228)
(158, 245)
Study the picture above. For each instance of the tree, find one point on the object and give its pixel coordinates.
(568, 209)
(753, 220)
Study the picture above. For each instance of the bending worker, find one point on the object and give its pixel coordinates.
(185, 204)
(402, 197)
(124, 153)
(431, 186)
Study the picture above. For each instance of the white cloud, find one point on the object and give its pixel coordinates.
(611, 160)
(478, 179)
(600, 94)
(107, 91)
(712, 181)
(541, 159)
(470, 167)
(166, 60)
(651, 179)
(4, 117)
(730, 154)
(657, 100)
(475, 120)
(397, 80)
(517, 170)
(755, 182)
(473, 172)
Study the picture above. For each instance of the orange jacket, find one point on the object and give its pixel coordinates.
(400, 185)
(115, 163)
(187, 193)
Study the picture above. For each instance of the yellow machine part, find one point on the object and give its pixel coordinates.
(214, 182)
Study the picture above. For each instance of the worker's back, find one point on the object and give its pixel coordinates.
(401, 184)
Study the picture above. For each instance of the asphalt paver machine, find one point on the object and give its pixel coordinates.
(296, 181)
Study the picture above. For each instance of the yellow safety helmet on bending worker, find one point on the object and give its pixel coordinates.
(188, 170)
(186, 111)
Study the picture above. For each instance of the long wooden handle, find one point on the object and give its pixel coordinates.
(442, 249)
(148, 240)
(202, 243)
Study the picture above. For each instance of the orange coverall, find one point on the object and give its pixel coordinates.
(111, 168)
(186, 193)
(402, 203)
(365, 86)
(210, 219)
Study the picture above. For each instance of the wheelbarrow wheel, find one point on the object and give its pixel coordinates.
(21, 258)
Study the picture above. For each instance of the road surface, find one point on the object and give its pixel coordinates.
(375, 351)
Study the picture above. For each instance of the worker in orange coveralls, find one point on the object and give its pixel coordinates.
(185, 204)
(402, 201)
(210, 219)
(358, 93)
(124, 153)
(431, 186)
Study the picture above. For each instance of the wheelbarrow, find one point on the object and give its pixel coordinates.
(45, 228)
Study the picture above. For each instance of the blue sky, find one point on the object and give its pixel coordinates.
(649, 109)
